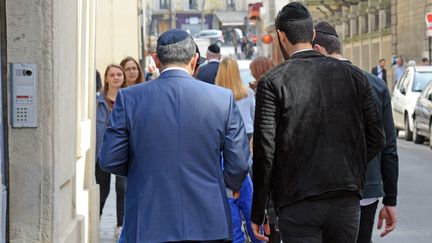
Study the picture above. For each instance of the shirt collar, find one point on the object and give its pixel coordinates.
(175, 68)
(309, 49)
(214, 60)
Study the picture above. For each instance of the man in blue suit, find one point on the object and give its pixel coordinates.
(167, 137)
(207, 72)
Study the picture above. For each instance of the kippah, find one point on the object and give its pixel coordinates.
(294, 11)
(325, 28)
(172, 36)
(214, 48)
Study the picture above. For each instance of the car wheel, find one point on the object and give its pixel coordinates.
(408, 133)
(418, 139)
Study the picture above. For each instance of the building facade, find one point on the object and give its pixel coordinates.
(49, 166)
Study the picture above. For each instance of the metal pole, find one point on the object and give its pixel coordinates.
(430, 50)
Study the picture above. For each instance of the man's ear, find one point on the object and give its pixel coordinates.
(156, 59)
(282, 36)
(194, 61)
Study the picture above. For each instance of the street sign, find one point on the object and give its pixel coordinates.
(429, 31)
(428, 19)
(254, 38)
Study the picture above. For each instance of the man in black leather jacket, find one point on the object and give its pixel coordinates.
(382, 171)
(316, 126)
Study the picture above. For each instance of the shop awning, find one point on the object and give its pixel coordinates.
(231, 18)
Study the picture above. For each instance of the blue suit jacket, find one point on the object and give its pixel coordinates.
(167, 137)
(207, 72)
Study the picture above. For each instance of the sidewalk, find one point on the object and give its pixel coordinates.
(108, 220)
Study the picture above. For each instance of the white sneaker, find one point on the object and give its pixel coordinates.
(117, 232)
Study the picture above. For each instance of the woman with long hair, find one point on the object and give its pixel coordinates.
(228, 76)
(133, 71)
(114, 80)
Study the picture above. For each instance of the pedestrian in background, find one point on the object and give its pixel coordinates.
(398, 69)
(382, 170)
(380, 71)
(425, 61)
(168, 137)
(259, 66)
(228, 76)
(207, 72)
(133, 71)
(114, 79)
(151, 71)
(316, 126)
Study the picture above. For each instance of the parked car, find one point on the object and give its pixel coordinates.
(422, 117)
(245, 73)
(215, 36)
(405, 96)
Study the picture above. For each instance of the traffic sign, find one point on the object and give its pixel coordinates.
(428, 19)
(429, 31)
(254, 38)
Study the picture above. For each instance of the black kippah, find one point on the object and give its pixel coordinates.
(294, 11)
(214, 48)
(325, 28)
(172, 36)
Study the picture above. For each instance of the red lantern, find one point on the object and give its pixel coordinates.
(267, 38)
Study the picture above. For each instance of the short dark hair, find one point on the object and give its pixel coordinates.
(296, 31)
(382, 60)
(330, 42)
(177, 53)
(425, 59)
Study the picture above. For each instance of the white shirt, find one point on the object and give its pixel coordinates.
(309, 49)
(175, 68)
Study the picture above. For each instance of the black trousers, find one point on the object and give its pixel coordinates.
(103, 178)
(274, 236)
(333, 220)
(367, 218)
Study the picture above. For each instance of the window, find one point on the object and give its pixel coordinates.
(376, 21)
(387, 17)
(421, 80)
(231, 5)
(163, 4)
(193, 4)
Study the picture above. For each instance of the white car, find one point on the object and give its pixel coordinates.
(245, 73)
(215, 36)
(405, 95)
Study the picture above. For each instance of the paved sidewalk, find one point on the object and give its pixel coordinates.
(108, 220)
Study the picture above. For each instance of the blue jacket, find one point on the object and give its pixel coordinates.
(166, 136)
(383, 170)
(102, 116)
(207, 72)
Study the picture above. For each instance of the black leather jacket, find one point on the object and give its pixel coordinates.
(316, 126)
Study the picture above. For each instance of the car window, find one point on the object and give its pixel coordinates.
(402, 80)
(421, 80)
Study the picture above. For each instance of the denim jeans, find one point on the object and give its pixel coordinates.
(333, 220)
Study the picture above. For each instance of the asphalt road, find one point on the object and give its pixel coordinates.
(414, 196)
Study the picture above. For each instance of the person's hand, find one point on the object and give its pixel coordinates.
(257, 231)
(387, 213)
(236, 194)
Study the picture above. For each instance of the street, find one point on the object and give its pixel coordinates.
(414, 200)
(414, 195)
